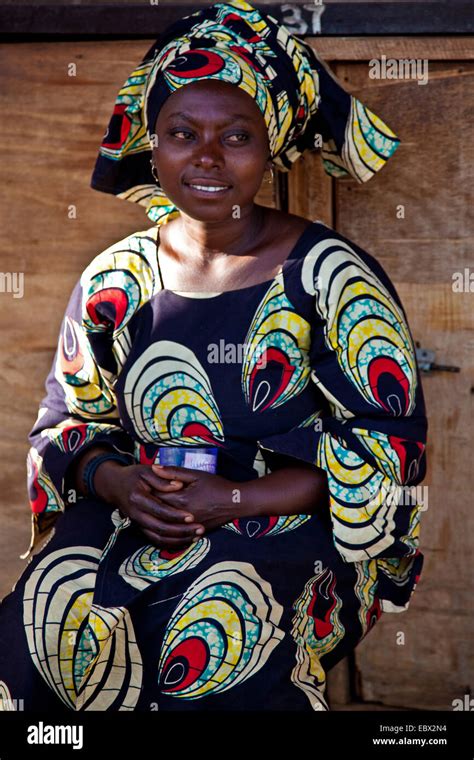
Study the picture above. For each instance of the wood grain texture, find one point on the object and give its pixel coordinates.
(310, 189)
(434, 48)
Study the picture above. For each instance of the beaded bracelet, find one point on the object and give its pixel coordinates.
(91, 467)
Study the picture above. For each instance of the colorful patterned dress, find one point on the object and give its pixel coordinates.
(253, 615)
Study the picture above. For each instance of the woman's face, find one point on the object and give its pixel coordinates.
(212, 131)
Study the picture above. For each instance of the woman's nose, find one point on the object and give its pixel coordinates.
(207, 161)
(209, 153)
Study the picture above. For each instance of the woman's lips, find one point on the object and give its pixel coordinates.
(207, 193)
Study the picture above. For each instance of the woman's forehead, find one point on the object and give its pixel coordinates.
(221, 95)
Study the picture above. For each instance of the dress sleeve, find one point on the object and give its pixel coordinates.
(79, 409)
(369, 435)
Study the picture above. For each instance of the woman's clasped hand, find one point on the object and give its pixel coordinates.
(172, 512)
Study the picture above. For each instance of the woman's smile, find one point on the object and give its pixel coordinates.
(207, 191)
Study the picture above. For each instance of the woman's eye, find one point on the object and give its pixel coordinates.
(180, 132)
(245, 137)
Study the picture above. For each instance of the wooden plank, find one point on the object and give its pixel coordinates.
(345, 18)
(310, 189)
(366, 48)
(337, 691)
(432, 668)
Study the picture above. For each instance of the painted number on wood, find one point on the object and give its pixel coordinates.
(299, 23)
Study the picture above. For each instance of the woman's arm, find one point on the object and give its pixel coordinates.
(78, 412)
(299, 489)
(170, 514)
(214, 501)
(104, 475)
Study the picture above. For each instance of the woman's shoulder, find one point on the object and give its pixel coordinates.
(314, 231)
(135, 253)
(119, 280)
(299, 235)
(324, 252)
(327, 263)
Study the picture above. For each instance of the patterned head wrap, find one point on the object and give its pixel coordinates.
(302, 103)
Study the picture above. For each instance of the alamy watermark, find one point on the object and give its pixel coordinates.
(399, 68)
(463, 282)
(235, 353)
(407, 496)
(42, 733)
(12, 282)
(467, 703)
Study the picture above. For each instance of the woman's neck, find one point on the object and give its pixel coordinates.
(205, 241)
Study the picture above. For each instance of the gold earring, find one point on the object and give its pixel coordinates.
(154, 172)
(272, 179)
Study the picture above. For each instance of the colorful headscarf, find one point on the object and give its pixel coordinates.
(302, 102)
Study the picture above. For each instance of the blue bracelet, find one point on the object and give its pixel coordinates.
(91, 467)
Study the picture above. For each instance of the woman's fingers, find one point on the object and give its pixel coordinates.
(169, 472)
(171, 501)
(156, 508)
(167, 527)
(160, 484)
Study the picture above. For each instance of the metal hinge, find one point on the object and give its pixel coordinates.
(426, 361)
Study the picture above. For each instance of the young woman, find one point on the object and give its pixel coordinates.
(228, 327)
